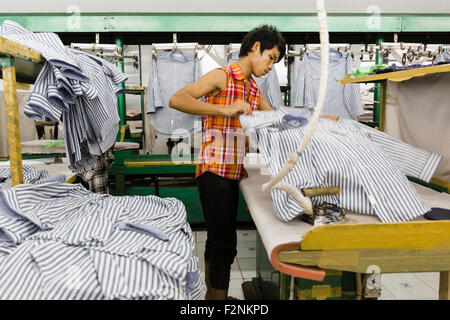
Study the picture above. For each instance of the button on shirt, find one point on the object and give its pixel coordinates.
(368, 166)
(342, 100)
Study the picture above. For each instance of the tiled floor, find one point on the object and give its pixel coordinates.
(395, 286)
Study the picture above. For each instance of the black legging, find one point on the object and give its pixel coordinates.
(219, 197)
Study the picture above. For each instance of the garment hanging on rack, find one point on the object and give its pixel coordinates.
(342, 100)
(267, 84)
(48, 44)
(442, 58)
(169, 73)
(60, 241)
(367, 165)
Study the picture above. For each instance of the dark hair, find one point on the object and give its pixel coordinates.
(268, 36)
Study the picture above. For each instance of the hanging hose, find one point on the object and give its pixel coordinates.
(276, 182)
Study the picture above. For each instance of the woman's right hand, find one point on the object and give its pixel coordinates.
(236, 108)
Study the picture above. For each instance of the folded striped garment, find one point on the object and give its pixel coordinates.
(367, 165)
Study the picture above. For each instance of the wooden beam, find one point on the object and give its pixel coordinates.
(12, 119)
(417, 235)
(388, 261)
(14, 49)
(398, 75)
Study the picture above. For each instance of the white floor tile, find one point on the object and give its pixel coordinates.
(248, 267)
(246, 235)
(408, 286)
(402, 294)
(400, 280)
(430, 278)
(386, 294)
(236, 293)
(200, 236)
(246, 249)
(236, 283)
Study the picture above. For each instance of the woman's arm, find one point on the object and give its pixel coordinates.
(213, 82)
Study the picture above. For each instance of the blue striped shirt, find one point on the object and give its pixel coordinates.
(31, 175)
(342, 100)
(79, 250)
(78, 88)
(367, 165)
(48, 45)
(167, 76)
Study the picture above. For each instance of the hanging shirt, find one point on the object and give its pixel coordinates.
(341, 100)
(223, 142)
(169, 73)
(268, 84)
(48, 44)
(368, 166)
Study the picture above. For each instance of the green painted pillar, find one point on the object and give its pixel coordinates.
(121, 99)
(377, 92)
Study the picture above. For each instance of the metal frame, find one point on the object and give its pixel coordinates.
(225, 22)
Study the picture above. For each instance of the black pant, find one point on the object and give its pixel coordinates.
(219, 197)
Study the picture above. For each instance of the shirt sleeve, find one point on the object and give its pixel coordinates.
(298, 96)
(412, 161)
(351, 93)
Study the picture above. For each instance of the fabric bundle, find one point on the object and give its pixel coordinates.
(61, 241)
(367, 165)
(78, 88)
(31, 175)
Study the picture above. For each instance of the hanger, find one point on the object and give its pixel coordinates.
(176, 49)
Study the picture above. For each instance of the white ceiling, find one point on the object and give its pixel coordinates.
(247, 6)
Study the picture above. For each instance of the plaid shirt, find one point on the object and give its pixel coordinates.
(96, 179)
(224, 143)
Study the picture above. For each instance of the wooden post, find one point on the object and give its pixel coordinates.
(12, 118)
(444, 285)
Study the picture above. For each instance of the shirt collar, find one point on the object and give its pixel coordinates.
(238, 75)
(236, 71)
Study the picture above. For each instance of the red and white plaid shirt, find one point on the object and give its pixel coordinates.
(224, 144)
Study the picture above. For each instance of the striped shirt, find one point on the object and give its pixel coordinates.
(167, 76)
(48, 45)
(31, 175)
(80, 249)
(342, 100)
(78, 88)
(223, 142)
(268, 84)
(367, 165)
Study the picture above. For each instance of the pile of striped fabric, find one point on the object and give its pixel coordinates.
(369, 166)
(31, 175)
(60, 241)
(78, 88)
